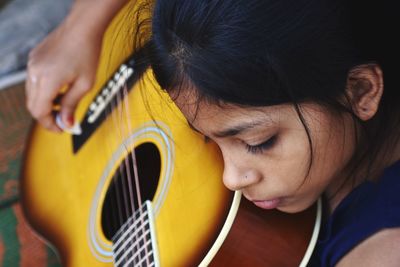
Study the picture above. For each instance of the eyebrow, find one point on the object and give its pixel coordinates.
(235, 130)
(240, 128)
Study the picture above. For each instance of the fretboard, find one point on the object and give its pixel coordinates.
(135, 242)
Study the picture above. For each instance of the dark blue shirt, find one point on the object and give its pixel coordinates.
(369, 208)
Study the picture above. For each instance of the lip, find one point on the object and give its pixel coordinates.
(268, 204)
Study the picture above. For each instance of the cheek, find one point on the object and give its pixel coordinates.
(292, 155)
(288, 168)
(285, 167)
(333, 149)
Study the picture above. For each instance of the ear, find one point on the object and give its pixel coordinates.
(365, 89)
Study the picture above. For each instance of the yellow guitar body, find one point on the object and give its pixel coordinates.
(64, 191)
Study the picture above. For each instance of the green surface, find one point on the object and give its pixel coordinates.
(8, 235)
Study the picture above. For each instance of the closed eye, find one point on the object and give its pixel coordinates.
(260, 148)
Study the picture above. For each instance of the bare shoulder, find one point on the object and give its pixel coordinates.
(381, 249)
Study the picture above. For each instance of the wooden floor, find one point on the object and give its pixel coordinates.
(14, 124)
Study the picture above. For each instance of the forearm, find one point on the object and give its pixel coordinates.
(93, 16)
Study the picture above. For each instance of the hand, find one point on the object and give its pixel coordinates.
(68, 59)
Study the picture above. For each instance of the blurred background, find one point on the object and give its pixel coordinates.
(23, 24)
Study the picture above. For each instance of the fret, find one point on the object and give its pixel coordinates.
(135, 242)
(129, 235)
(143, 255)
(135, 219)
(127, 250)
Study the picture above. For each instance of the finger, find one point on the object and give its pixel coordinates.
(45, 117)
(49, 123)
(42, 107)
(32, 78)
(71, 99)
(30, 89)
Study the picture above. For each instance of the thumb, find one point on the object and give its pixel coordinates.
(71, 99)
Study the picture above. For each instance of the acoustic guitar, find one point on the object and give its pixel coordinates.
(135, 186)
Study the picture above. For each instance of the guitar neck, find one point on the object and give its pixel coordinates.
(134, 244)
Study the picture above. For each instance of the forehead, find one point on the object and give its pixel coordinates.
(207, 116)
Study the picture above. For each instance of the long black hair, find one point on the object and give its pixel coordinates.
(269, 52)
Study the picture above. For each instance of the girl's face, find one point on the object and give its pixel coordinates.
(267, 153)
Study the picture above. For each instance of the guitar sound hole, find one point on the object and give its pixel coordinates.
(122, 198)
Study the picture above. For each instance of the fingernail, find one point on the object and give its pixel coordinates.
(70, 121)
(74, 129)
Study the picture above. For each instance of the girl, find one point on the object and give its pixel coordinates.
(300, 98)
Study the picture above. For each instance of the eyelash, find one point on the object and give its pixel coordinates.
(257, 149)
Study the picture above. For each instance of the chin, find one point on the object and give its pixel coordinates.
(291, 208)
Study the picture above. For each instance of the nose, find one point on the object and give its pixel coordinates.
(237, 177)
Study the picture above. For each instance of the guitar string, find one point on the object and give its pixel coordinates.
(125, 108)
(128, 196)
(115, 115)
(114, 219)
(133, 155)
(115, 201)
(113, 133)
(125, 231)
(111, 218)
(134, 241)
(124, 167)
(118, 111)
